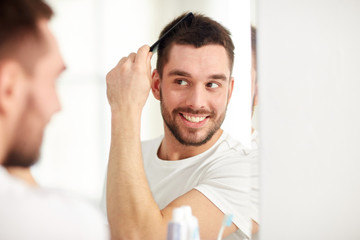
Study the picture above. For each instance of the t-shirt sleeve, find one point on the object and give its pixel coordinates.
(227, 184)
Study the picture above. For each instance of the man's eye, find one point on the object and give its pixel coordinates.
(212, 85)
(181, 82)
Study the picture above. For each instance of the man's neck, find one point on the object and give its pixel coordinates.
(171, 149)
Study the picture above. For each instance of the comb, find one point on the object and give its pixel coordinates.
(155, 46)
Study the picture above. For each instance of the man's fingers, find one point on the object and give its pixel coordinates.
(132, 56)
(142, 54)
(122, 60)
(149, 56)
(148, 64)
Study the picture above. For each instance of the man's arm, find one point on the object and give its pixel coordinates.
(132, 210)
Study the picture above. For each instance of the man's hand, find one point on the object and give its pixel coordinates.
(128, 83)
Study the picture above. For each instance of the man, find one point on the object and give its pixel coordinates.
(30, 63)
(195, 163)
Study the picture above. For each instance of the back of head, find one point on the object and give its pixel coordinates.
(19, 29)
(198, 32)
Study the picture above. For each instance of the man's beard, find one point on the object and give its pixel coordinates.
(24, 151)
(18, 158)
(192, 139)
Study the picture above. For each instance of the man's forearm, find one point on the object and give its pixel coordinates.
(132, 211)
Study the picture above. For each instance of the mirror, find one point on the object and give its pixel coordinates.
(93, 36)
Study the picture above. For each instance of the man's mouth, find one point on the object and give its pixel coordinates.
(193, 119)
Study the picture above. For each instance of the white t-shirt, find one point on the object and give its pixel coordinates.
(35, 213)
(222, 174)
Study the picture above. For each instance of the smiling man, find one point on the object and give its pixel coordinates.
(195, 163)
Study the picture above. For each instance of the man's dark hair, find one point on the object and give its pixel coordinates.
(198, 32)
(19, 29)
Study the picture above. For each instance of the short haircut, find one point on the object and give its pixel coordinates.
(19, 32)
(198, 32)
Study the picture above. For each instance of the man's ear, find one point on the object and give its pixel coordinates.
(11, 85)
(155, 85)
(231, 88)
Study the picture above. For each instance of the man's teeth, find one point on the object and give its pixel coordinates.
(194, 119)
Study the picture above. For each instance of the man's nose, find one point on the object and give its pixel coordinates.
(196, 97)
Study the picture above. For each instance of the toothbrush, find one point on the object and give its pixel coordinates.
(225, 223)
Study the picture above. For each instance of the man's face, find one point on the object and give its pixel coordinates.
(41, 103)
(194, 92)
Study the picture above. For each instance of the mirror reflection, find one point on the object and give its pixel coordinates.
(199, 110)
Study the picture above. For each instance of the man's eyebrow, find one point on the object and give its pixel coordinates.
(219, 76)
(181, 73)
(177, 72)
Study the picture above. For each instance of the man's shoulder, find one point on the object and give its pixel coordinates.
(29, 209)
(153, 140)
(150, 144)
(229, 144)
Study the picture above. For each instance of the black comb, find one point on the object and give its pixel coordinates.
(187, 17)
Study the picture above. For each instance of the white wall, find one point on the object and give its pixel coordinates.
(93, 35)
(309, 80)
